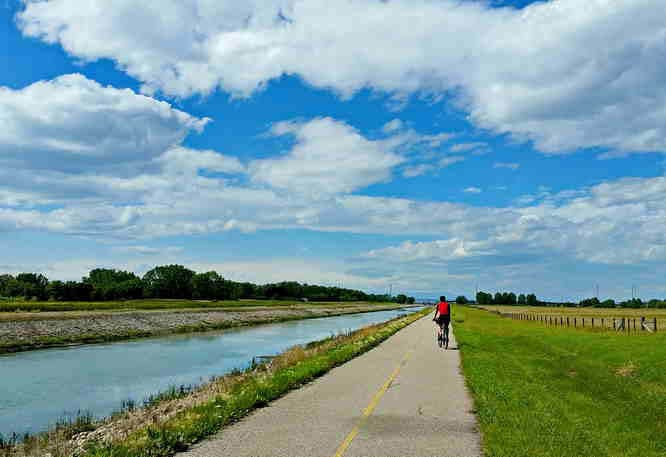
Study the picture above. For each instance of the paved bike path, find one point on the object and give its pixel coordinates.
(404, 398)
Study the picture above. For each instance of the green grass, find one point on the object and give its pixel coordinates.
(10, 306)
(560, 392)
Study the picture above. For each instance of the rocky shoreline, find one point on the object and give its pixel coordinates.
(42, 332)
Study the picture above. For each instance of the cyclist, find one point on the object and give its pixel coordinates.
(442, 318)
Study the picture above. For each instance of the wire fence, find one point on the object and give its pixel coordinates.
(618, 324)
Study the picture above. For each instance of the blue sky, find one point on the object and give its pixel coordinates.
(280, 140)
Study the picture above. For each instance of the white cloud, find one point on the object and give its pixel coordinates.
(289, 269)
(418, 170)
(465, 147)
(617, 222)
(450, 160)
(472, 190)
(180, 160)
(508, 165)
(329, 157)
(449, 249)
(149, 250)
(392, 126)
(559, 74)
(614, 223)
(74, 124)
(423, 168)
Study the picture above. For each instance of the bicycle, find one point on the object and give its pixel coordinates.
(443, 336)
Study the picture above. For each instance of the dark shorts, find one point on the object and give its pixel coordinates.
(443, 321)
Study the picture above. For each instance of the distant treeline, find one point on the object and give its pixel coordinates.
(510, 298)
(173, 281)
(506, 298)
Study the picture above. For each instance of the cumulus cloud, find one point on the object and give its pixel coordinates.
(329, 157)
(472, 190)
(609, 93)
(72, 124)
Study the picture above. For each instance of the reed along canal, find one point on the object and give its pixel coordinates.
(40, 387)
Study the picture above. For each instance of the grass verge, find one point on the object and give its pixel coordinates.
(172, 423)
(558, 392)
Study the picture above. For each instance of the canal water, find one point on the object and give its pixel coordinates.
(37, 388)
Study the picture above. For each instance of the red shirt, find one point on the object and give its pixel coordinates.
(443, 308)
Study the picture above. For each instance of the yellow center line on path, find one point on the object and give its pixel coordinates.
(371, 406)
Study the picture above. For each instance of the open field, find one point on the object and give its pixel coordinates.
(619, 312)
(650, 313)
(543, 391)
(21, 331)
(173, 421)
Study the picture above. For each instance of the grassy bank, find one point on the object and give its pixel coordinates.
(18, 306)
(558, 392)
(173, 422)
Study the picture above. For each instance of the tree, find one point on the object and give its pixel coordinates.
(461, 300)
(607, 304)
(109, 284)
(169, 281)
(531, 300)
(31, 285)
(4, 282)
(594, 301)
(521, 299)
(483, 298)
(411, 300)
(207, 286)
(56, 290)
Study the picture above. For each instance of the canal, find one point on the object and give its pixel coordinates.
(37, 388)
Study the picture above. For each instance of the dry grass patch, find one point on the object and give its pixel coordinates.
(626, 370)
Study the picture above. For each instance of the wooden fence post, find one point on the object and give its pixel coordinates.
(655, 325)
